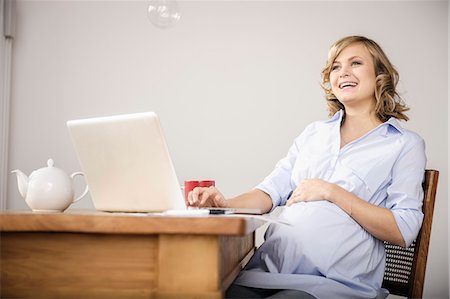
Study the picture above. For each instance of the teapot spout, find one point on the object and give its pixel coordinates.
(22, 182)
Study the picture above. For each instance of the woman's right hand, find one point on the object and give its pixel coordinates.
(206, 197)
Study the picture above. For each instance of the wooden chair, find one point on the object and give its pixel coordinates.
(405, 267)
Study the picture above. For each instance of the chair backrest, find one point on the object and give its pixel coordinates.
(405, 267)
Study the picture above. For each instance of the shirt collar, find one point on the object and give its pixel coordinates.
(393, 123)
(336, 117)
(390, 123)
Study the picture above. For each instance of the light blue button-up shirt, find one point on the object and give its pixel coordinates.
(325, 252)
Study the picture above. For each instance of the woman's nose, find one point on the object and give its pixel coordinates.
(344, 72)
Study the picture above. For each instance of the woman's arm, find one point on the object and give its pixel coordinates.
(378, 221)
(211, 197)
(254, 199)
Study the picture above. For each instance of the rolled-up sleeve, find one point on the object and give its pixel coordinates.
(405, 193)
(278, 183)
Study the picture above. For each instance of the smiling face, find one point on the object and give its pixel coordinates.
(353, 77)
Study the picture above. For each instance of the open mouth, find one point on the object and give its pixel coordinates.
(347, 84)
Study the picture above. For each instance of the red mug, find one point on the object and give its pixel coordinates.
(190, 185)
(206, 183)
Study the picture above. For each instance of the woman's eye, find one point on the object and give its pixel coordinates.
(356, 63)
(334, 67)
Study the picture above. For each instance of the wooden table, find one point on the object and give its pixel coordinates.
(104, 255)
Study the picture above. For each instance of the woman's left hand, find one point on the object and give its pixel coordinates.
(311, 190)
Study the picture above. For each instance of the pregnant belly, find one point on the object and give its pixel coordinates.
(321, 238)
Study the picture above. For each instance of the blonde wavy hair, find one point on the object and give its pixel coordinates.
(388, 102)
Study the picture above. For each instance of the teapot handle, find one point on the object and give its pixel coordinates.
(73, 175)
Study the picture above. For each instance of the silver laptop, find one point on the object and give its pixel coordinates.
(126, 163)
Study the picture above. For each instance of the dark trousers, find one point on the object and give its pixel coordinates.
(237, 291)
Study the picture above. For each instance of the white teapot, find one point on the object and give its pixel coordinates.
(48, 189)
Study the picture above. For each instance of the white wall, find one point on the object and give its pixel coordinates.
(234, 83)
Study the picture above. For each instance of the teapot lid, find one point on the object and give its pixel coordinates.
(50, 170)
(50, 163)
